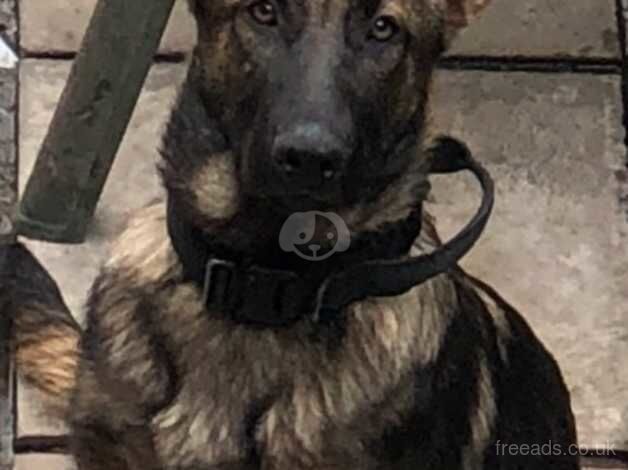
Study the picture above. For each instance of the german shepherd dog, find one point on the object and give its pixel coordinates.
(293, 107)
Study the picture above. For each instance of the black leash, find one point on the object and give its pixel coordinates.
(382, 278)
(274, 297)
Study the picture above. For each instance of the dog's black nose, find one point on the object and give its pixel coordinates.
(308, 156)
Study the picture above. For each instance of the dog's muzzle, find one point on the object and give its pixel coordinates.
(272, 298)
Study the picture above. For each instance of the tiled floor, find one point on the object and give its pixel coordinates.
(551, 133)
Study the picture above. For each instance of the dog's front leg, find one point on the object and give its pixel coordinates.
(98, 448)
(286, 443)
(106, 432)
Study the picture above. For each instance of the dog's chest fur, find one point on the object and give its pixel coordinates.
(293, 400)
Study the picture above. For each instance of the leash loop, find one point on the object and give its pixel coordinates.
(386, 278)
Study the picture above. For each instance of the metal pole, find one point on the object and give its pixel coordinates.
(7, 393)
(8, 199)
(91, 118)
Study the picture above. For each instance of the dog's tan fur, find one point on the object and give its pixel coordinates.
(322, 392)
(48, 359)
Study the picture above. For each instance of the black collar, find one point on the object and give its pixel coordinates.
(261, 296)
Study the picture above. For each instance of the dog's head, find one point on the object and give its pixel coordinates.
(322, 102)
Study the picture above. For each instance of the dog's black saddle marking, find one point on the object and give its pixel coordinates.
(275, 297)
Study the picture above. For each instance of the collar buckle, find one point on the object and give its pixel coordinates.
(253, 294)
(219, 283)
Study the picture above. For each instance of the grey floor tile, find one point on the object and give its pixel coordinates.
(44, 462)
(509, 27)
(583, 28)
(59, 25)
(132, 183)
(557, 246)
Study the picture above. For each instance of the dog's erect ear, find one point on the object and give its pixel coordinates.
(195, 6)
(460, 13)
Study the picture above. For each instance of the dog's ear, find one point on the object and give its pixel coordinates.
(460, 13)
(195, 6)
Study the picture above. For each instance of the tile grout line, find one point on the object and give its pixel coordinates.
(576, 65)
(622, 7)
(533, 64)
(167, 58)
(16, 140)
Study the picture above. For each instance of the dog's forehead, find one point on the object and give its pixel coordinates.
(414, 14)
(335, 7)
(338, 8)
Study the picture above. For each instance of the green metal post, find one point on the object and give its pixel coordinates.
(91, 118)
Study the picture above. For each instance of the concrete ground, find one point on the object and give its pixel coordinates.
(534, 87)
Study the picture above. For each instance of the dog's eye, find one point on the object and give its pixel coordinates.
(264, 13)
(384, 29)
